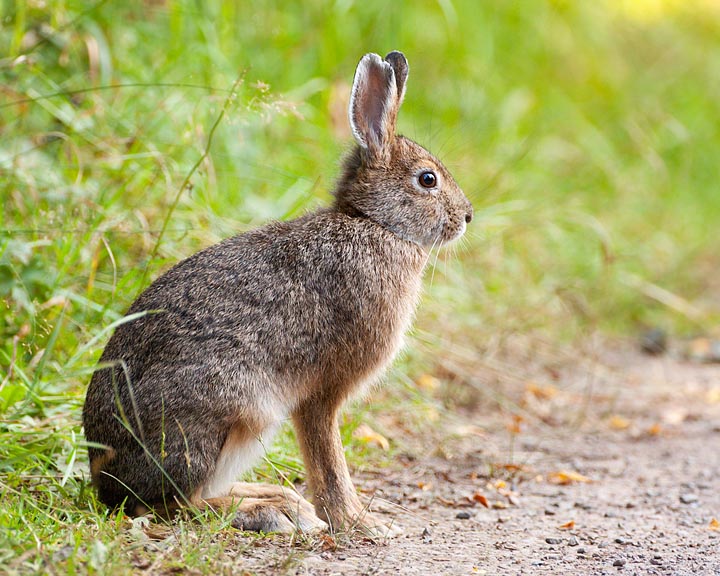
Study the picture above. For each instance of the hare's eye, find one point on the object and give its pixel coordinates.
(427, 179)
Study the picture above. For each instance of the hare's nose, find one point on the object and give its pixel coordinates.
(469, 215)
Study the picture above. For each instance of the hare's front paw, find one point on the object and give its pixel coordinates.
(363, 522)
(376, 527)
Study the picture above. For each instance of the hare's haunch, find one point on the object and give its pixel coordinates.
(284, 321)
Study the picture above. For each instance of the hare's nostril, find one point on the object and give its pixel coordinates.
(468, 217)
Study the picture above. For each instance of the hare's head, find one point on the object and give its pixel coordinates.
(389, 178)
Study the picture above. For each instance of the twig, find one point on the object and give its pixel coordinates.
(226, 105)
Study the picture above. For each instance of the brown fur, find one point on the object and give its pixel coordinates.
(284, 321)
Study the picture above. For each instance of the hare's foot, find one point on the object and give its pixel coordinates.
(377, 527)
(358, 519)
(268, 508)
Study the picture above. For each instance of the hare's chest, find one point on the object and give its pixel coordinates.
(379, 336)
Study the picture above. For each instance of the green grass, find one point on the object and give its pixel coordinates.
(584, 132)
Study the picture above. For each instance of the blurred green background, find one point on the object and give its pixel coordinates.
(585, 133)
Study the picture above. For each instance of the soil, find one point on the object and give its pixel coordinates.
(595, 464)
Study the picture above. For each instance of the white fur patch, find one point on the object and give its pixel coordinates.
(236, 457)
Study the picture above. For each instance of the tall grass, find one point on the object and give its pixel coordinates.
(584, 132)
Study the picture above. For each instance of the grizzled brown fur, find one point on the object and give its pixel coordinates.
(285, 321)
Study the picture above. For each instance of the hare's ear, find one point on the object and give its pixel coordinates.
(400, 66)
(374, 106)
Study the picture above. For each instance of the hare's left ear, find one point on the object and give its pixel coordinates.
(377, 91)
(400, 66)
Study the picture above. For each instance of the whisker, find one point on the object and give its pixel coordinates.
(432, 275)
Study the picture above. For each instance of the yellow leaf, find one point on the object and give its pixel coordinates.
(713, 395)
(565, 477)
(541, 392)
(424, 486)
(655, 430)
(367, 435)
(617, 422)
(500, 484)
(567, 526)
(428, 382)
(714, 524)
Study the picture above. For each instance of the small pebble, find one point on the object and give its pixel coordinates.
(581, 550)
(553, 541)
(549, 512)
(463, 515)
(573, 541)
(656, 562)
(654, 341)
(688, 498)
(620, 541)
(619, 562)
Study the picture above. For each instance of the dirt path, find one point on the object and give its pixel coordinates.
(633, 489)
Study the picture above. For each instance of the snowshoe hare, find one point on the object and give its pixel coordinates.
(288, 320)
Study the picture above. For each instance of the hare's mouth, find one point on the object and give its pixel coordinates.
(452, 231)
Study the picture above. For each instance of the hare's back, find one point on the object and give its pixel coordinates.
(283, 301)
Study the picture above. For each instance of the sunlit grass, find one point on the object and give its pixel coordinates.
(652, 11)
(583, 132)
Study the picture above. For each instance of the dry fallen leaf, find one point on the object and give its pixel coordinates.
(428, 382)
(617, 422)
(655, 430)
(480, 498)
(328, 543)
(500, 484)
(367, 435)
(512, 467)
(568, 525)
(564, 477)
(424, 486)
(514, 426)
(541, 392)
(714, 524)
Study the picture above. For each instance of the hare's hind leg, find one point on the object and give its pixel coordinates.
(268, 508)
(258, 507)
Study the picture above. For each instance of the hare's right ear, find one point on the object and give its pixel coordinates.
(374, 105)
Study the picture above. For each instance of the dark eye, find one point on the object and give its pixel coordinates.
(427, 179)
